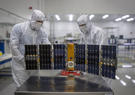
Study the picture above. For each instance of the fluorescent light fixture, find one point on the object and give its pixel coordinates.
(126, 16)
(105, 16)
(91, 17)
(128, 77)
(126, 66)
(57, 17)
(123, 83)
(130, 19)
(71, 17)
(117, 77)
(133, 81)
(118, 19)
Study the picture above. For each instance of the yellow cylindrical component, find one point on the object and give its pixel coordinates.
(70, 53)
(0, 53)
(70, 56)
(38, 60)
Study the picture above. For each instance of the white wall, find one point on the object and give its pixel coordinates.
(122, 28)
(63, 28)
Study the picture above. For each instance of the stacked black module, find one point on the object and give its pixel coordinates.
(31, 57)
(109, 61)
(45, 56)
(80, 57)
(93, 59)
(59, 56)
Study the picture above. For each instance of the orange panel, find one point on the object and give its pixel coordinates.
(70, 53)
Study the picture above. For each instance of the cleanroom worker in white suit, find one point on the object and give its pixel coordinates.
(26, 33)
(91, 34)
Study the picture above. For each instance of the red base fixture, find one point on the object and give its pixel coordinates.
(67, 73)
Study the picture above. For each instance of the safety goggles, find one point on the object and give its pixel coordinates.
(39, 21)
(82, 25)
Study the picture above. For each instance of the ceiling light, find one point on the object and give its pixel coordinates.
(91, 17)
(57, 17)
(71, 17)
(130, 19)
(126, 16)
(126, 66)
(118, 19)
(105, 16)
(128, 77)
(123, 83)
(133, 81)
(117, 77)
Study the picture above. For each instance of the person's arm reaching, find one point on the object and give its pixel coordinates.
(45, 38)
(14, 43)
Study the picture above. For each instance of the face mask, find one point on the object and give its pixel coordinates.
(36, 25)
